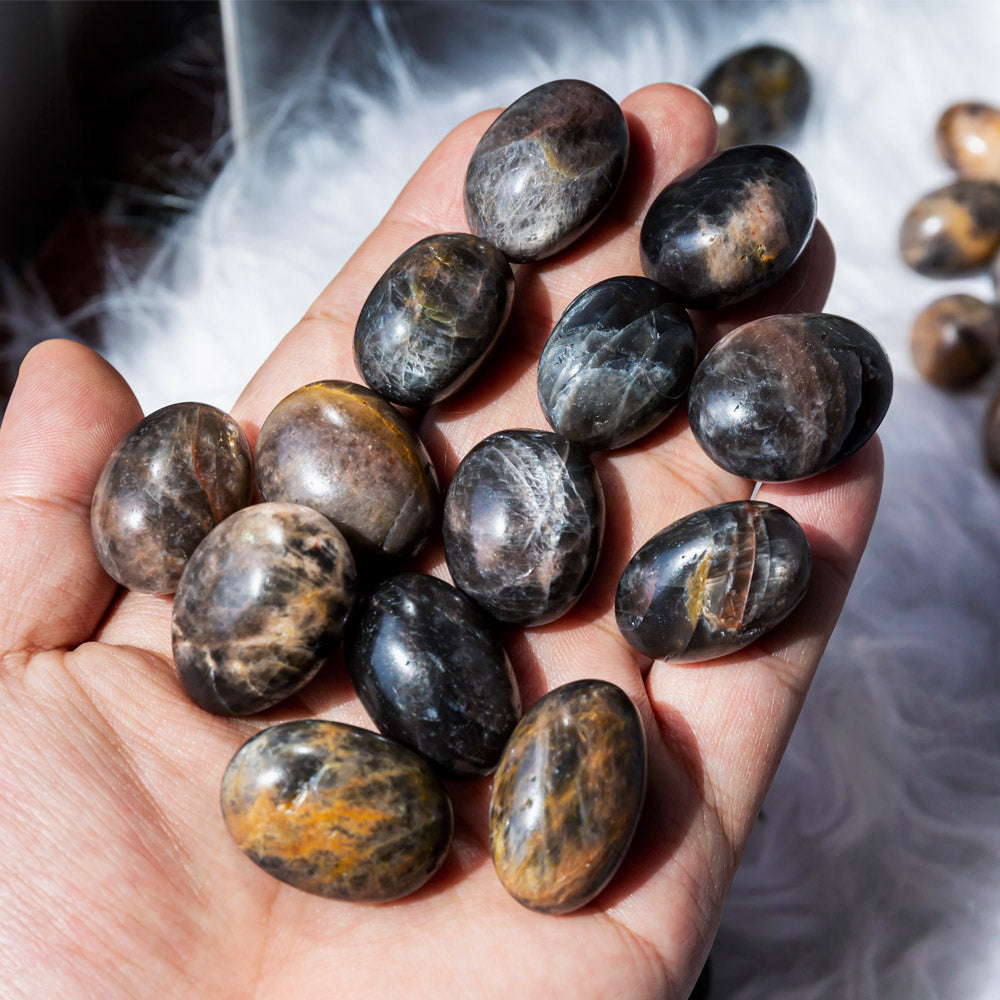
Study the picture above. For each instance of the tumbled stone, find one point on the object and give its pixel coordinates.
(785, 397)
(567, 796)
(713, 582)
(337, 811)
(759, 94)
(954, 340)
(432, 317)
(432, 674)
(172, 478)
(729, 227)
(617, 363)
(953, 230)
(968, 139)
(261, 607)
(523, 524)
(546, 169)
(341, 449)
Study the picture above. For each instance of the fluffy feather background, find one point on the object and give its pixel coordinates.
(873, 872)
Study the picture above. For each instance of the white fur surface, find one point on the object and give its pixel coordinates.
(874, 871)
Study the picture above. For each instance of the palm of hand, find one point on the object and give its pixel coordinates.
(120, 876)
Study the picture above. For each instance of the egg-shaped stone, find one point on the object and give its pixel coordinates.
(968, 139)
(713, 582)
(759, 94)
(617, 363)
(432, 318)
(786, 397)
(171, 479)
(954, 340)
(546, 169)
(337, 811)
(261, 607)
(567, 796)
(729, 227)
(952, 230)
(523, 525)
(339, 448)
(431, 672)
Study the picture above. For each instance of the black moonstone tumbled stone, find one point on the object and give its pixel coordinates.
(432, 674)
(546, 169)
(729, 227)
(713, 582)
(617, 363)
(523, 525)
(432, 317)
(785, 397)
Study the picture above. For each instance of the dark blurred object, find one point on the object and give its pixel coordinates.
(760, 94)
(954, 340)
(968, 139)
(703, 988)
(991, 434)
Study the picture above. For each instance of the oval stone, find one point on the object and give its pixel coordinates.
(786, 397)
(337, 811)
(954, 340)
(546, 169)
(261, 607)
(523, 524)
(729, 227)
(432, 317)
(171, 479)
(968, 138)
(952, 231)
(617, 363)
(430, 671)
(339, 448)
(567, 796)
(713, 582)
(759, 94)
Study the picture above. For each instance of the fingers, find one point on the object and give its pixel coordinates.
(68, 410)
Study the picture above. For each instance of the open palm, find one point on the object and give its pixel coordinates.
(118, 876)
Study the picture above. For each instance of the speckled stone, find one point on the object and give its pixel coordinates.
(968, 139)
(432, 317)
(954, 340)
(567, 796)
(713, 582)
(432, 674)
(546, 169)
(729, 227)
(523, 524)
(337, 811)
(759, 94)
(173, 478)
(953, 230)
(617, 363)
(260, 608)
(341, 449)
(785, 397)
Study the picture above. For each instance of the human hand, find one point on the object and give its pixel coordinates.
(119, 877)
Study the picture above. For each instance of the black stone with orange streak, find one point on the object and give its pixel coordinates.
(337, 811)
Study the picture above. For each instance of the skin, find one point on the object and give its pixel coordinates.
(118, 878)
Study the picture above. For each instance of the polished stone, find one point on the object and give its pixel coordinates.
(431, 672)
(953, 230)
(968, 138)
(954, 340)
(432, 317)
(171, 479)
(567, 796)
(785, 397)
(523, 524)
(546, 169)
(341, 449)
(617, 363)
(729, 227)
(759, 94)
(337, 811)
(713, 582)
(261, 607)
